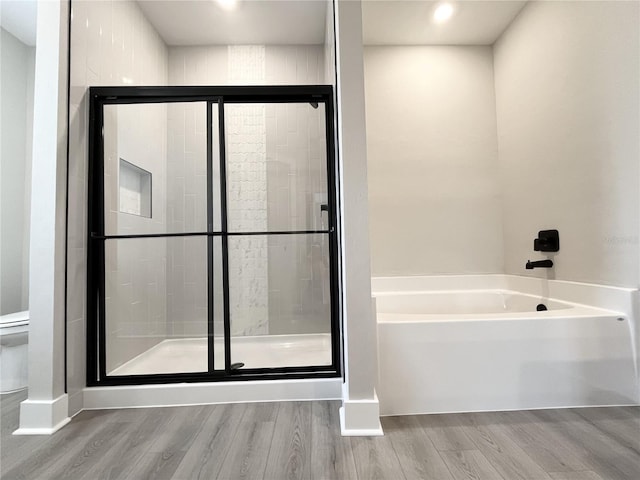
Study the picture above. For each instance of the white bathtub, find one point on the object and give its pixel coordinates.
(455, 350)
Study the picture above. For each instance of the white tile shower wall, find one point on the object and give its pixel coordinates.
(247, 211)
(247, 196)
(248, 148)
(434, 192)
(199, 65)
(111, 44)
(207, 65)
(297, 188)
(187, 199)
(568, 109)
(294, 65)
(135, 270)
(330, 78)
(186, 300)
(284, 65)
(329, 48)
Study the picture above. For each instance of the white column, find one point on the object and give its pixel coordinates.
(359, 414)
(46, 409)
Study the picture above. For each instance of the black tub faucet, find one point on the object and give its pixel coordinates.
(539, 264)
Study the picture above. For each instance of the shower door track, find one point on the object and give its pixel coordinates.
(219, 96)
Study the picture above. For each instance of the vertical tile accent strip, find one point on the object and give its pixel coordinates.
(247, 196)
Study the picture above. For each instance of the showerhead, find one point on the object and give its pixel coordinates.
(314, 104)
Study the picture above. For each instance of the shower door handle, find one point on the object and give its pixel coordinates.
(324, 207)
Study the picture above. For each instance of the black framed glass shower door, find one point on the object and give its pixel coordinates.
(212, 239)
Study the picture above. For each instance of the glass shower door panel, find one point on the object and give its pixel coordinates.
(155, 168)
(210, 241)
(156, 305)
(216, 213)
(280, 300)
(276, 167)
(216, 285)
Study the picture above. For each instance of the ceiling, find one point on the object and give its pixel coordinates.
(18, 17)
(264, 22)
(401, 22)
(302, 22)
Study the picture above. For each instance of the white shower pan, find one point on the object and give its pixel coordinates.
(189, 355)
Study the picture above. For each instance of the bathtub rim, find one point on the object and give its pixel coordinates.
(399, 318)
(571, 309)
(606, 297)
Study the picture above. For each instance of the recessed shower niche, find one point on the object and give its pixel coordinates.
(234, 275)
(134, 190)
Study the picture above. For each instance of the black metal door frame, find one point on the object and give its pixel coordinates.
(101, 96)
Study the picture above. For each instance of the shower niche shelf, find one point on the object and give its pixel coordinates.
(134, 190)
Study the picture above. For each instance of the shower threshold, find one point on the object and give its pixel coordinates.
(189, 355)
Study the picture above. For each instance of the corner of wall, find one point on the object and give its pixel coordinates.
(635, 332)
(360, 411)
(47, 407)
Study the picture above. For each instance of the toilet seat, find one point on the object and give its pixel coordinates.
(14, 323)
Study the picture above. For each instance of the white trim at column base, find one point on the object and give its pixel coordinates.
(43, 417)
(360, 418)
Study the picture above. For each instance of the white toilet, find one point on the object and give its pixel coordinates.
(14, 335)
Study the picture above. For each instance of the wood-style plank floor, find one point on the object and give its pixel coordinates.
(294, 440)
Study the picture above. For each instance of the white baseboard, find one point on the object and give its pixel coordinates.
(169, 395)
(43, 417)
(360, 418)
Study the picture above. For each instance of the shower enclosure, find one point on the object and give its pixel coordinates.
(212, 234)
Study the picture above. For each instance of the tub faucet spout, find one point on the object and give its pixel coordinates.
(539, 264)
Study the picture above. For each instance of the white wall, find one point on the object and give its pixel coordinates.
(568, 103)
(434, 192)
(111, 44)
(18, 70)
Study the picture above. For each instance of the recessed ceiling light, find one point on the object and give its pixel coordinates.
(228, 4)
(443, 12)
